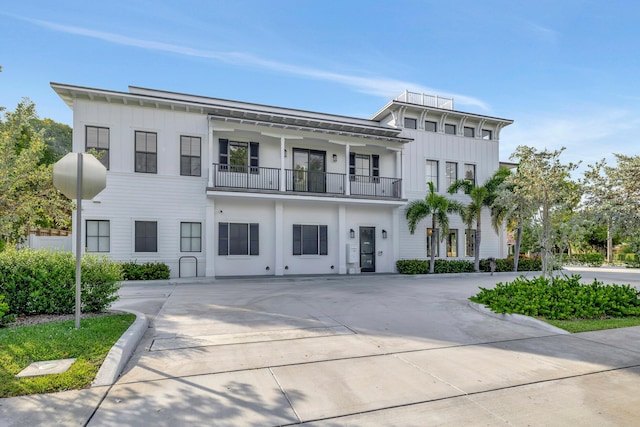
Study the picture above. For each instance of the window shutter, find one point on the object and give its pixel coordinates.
(297, 239)
(224, 151)
(323, 240)
(253, 156)
(352, 163)
(223, 238)
(254, 242)
(375, 165)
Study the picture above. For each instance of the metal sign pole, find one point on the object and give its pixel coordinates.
(78, 233)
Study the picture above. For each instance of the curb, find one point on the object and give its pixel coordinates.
(518, 319)
(121, 351)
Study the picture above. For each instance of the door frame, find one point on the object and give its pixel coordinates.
(373, 248)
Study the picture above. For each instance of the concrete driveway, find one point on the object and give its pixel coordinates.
(363, 350)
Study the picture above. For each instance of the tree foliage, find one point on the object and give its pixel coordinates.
(27, 196)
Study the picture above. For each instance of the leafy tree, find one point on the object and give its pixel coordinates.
(480, 197)
(545, 185)
(27, 196)
(438, 207)
(57, 137)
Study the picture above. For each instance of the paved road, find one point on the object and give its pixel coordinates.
(351, 351)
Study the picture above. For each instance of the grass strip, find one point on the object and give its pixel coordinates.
(20, 346)
(586, 325)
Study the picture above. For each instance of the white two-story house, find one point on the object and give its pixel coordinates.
(215, 187)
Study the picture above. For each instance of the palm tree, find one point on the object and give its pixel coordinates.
(481, 196)
(438, 207)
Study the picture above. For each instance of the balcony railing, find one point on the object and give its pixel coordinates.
(426, 100)
(304, 181)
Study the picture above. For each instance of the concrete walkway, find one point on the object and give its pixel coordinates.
(336, 351)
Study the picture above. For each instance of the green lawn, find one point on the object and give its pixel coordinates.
(23, 345)
(586, 325)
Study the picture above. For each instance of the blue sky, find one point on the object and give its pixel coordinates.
(566, 71)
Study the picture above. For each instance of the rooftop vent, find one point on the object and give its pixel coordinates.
(426, 100)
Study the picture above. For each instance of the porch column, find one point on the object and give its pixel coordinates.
(210, 142)
(347, 181)
(342, 239)
(399, 172)
(279, 242)
(210, 235)
(283, 176)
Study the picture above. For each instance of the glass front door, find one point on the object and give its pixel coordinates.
(309, 170)
(367, 249)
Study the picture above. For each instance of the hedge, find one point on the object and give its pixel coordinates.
(419, 266)
(146, 271)
(591, 259)
(42, 282)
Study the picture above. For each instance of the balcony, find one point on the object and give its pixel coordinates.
(260, 179)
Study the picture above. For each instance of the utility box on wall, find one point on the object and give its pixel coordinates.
(353, 259)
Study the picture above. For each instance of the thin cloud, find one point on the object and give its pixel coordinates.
(543, 33)
(378, 86)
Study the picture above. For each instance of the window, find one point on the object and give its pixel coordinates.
(432, 173)
(469, 132)
(98, 139)
(437, 247)
(410, 123)
(238, 239)
(450, 129)
(146, 236)
(363, 166)
(189, 156)
(452, 243)
(146, 152)
(470, 240)
(470, 173)
(238, 156)
(430, 126)
(310, 239)
(451, 172)
(190, 237)
(98, 236)
(487, 134)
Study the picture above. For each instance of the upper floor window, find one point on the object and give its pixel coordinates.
(452, 243)
(410, 123)
(487, 134)
(238, 239)
(146, 236)
(238, 156)
(190, 237)
(190, 155)
(430, 126)
(451, 173)
(470, 173)
(363, 166)
(432, 173)
(98, 236)
(450, 129)
(469, 132)
(98, 139)
(310, 239)
(146, 152)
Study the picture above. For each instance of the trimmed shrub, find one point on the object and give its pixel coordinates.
(42, 282)
(5, 317)
(419, 266)
(591, 259)
(146, 271)
(561, 298)
(412, 266)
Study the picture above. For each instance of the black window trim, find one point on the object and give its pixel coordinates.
(191, 157)
(147, 154)
(253, 239)
(322, 242)
(191, 223)
(105, 157)
(98, 236)
(135, 236)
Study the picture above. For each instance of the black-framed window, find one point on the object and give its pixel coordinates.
(430, 126)
(451, 173)
(487, 134)
(238, 238)
(470, 173)
(146, 236)
(452, 244)
(470, 242)
(364, 167)
(98, 235)
(310, 239)
(190, 237)
(437, 246)
(410, 123)
(450, 129)
(431, 173)
(238, 156)
(146, 152)
(469, 132)
(190, 155)
(97, 138)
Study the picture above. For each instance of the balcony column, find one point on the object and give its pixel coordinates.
(283, 177)
(210, 144)
(347, 181)
(399, 172)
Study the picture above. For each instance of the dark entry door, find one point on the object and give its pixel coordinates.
(367, 249)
